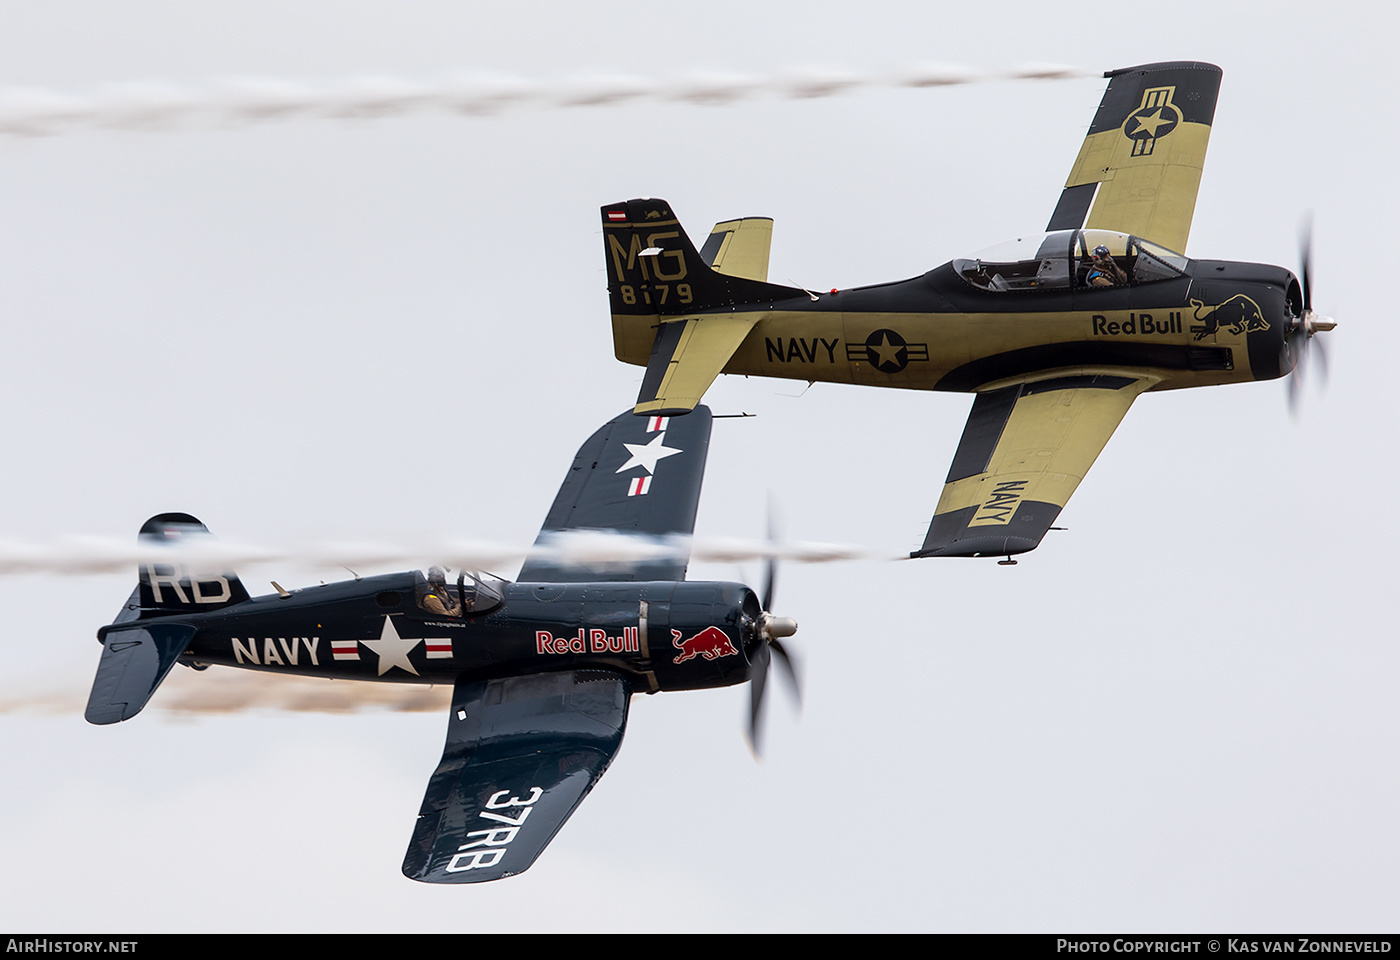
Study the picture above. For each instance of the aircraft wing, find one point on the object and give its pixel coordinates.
(635, 475)
(1140, 165)
(521, 754)
(1022, 454)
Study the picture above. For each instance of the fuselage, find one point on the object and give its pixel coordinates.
(1213, 322)
(660, 635)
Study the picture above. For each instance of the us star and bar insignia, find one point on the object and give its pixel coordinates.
(886, 351)
(1156, 117)
(647, 456)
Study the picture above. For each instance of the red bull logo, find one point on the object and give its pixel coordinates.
(1239, 313)
(710, 643)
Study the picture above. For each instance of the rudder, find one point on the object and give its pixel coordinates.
(654, 269)
(146, 639)
(179, 587)
(671, 311)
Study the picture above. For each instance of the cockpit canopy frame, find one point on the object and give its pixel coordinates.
(1062, 260)
(468, 595)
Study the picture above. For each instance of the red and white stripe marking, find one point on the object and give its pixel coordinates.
(439, 649)
(657, 423)
(345, 649)
(617, 216)
(638, 486)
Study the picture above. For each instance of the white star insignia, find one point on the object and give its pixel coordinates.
(645, 455)
(393, 651)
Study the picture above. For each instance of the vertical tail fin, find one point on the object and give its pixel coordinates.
(139, 648)
(655, 271)
(181, 586)
(671, 311)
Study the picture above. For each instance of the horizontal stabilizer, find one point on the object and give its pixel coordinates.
(521, 754)
(684, 310)
(740, 248)
(134, 661)
(686, 358)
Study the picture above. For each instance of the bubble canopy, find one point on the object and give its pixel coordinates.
(445, 593)
(1064, 259)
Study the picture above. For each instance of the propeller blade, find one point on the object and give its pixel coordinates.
(1302, 330)
(1305, 259)
(788, 669)
(770, 570)
(756, 688)
(770, 628)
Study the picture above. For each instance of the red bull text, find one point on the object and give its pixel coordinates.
(590, 641)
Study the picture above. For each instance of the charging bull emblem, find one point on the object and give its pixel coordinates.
(1239, 313)
(710, 643)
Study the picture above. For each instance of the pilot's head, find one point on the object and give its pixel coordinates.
(1100, 252)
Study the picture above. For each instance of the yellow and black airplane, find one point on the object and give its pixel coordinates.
(1056, 334)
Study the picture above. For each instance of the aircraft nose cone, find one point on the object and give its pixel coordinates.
(776, 627)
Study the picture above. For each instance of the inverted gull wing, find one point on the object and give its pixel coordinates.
(1022, 454)
(740, 248)
(521, 754)
(1139, 168)
(635, 475)
(686, 357)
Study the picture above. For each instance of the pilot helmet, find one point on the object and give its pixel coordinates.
(1101, 251)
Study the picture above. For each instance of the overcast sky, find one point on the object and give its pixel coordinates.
(1179, 715)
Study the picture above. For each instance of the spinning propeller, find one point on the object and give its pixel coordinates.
(770, 630)
(1298, 337)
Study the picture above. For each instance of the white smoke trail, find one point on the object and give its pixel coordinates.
(214, 691)
(77, 556)
(187, 693)
(29, 112)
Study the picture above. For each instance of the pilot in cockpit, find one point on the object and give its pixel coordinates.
(1103, 272)
(439, 597)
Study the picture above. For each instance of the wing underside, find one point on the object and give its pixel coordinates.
(1139, 168)
(521, 755)
(1023, 452)
(638, 476)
